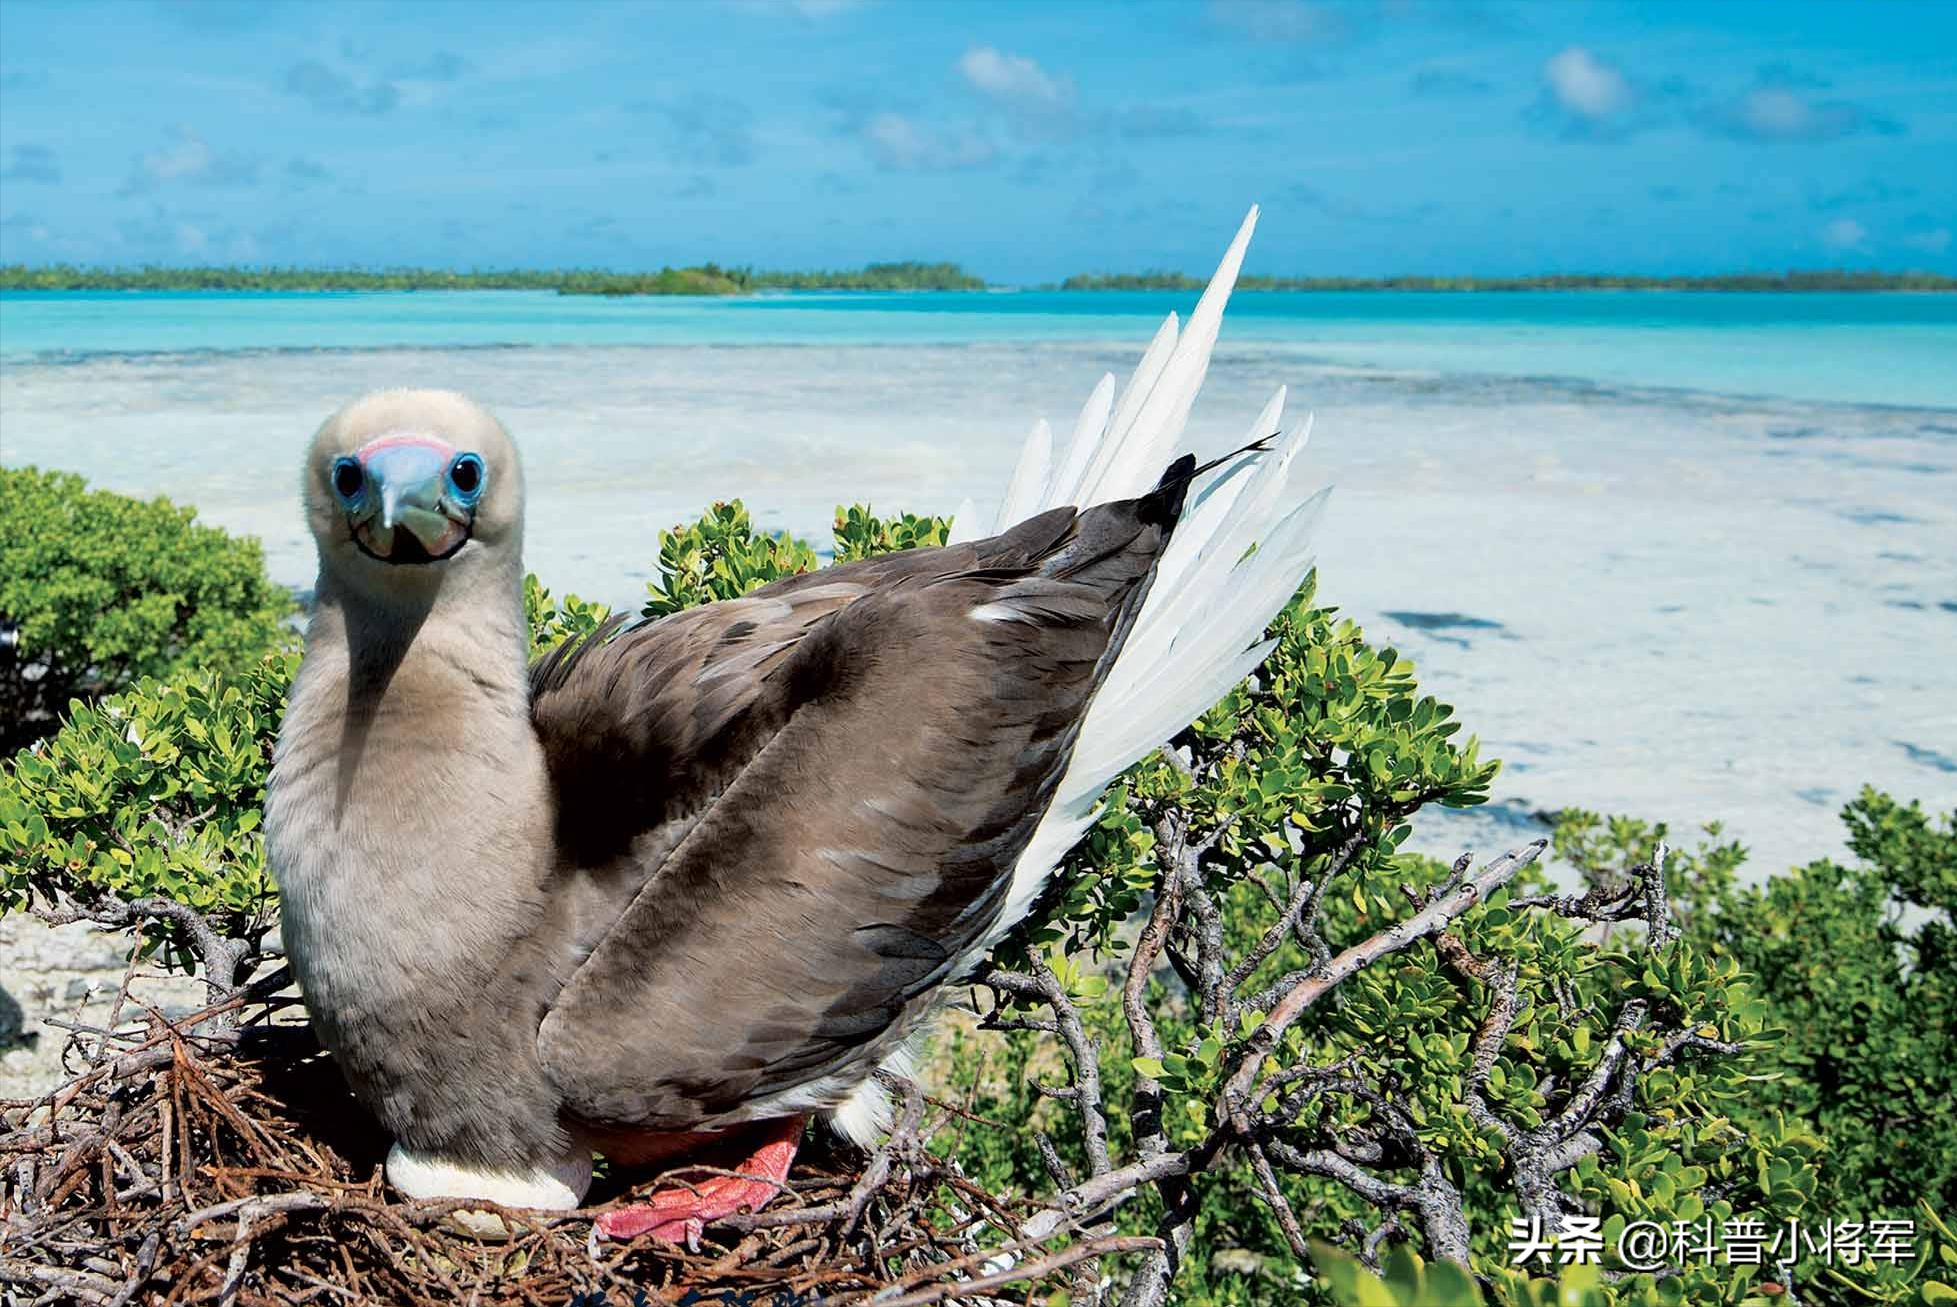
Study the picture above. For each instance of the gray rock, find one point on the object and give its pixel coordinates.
(12, 1020)
(66, 971)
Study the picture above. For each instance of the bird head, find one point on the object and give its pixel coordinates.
(405, 487)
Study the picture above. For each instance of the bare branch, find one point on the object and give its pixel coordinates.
(1302, 907)
(1428, 921)
(222, 960)
(1085, 1093)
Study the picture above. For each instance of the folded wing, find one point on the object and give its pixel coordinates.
(808, 803)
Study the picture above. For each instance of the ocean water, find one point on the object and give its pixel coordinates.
(1691, 557)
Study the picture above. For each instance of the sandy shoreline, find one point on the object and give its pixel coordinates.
(1671, 604)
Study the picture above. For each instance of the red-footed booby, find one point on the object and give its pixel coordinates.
(685, 882)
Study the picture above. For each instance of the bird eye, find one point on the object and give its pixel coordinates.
(348, 478)
(465, 476)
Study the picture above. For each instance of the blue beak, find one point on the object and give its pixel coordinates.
(407, 491)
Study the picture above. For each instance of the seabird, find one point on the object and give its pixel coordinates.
(685, 882)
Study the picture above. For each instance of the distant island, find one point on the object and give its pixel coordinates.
(703, 279)
(1821, 279)
(713, 279)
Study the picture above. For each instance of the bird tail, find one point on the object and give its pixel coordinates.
(1237, 555)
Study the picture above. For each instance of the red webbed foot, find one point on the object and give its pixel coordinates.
(759, 1160)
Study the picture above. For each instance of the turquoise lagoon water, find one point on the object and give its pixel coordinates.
(1860, 348)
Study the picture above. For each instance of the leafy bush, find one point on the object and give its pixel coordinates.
(720, 557)
(553, 621)
(1858, 965)
(152, 793)
(105, 589)
(1471, 1057)
(860, 534)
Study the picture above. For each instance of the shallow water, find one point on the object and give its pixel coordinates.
(1668, 602)
(1865, 348)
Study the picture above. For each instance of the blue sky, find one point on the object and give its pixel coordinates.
(1025, 140)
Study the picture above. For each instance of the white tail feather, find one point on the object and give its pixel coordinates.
(964, 523)
(1088, 429)
(1106, 459)
(1238, 554)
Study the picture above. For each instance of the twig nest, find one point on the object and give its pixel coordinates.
(188, 1164)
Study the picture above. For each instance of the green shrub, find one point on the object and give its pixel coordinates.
(553, 621)
(156, 791)
(1409, 1281)
(1858, 965)
(861, 534)
(1704, 1137)
(720, 557)
(105, 589)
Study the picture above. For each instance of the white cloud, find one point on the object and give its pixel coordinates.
(1934, 241)
(1586, 85)
(1777, 111)
(1845, 234)
(895, 140)
(201, 236)
(189, 159)
(1782, 105)
(898, 142)
(1015, 82)
(1780, 112)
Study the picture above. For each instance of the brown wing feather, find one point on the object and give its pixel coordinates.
(808, 804)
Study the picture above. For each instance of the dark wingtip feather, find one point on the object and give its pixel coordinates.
(1182, 470)
(1163, 504)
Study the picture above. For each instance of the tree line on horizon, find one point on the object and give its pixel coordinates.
(714, 279)
(701, 279)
